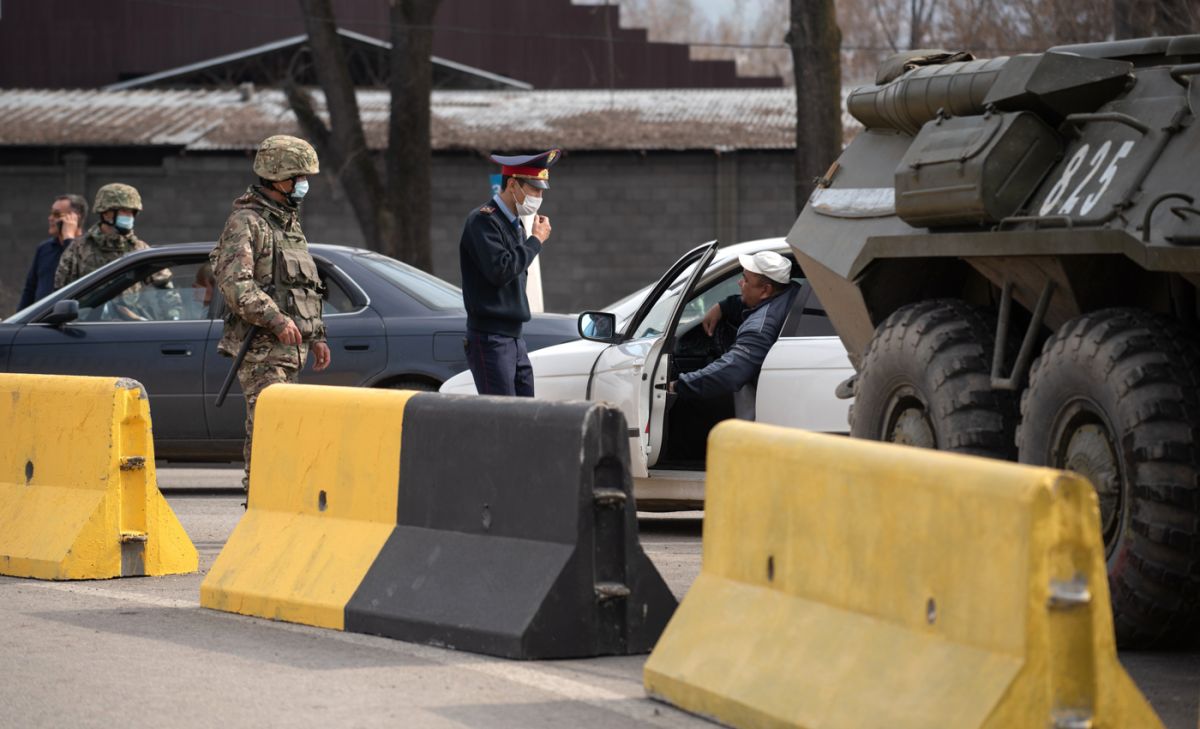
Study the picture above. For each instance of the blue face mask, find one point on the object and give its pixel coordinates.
(123, 224)
(299, 190)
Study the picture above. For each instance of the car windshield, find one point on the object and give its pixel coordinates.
(655, 320)
(17, 315)
(426, 288)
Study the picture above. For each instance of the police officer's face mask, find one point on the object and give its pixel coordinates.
(528, 206)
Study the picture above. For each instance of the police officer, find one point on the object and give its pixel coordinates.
(263, 269)
(494, 254)
(117, 206)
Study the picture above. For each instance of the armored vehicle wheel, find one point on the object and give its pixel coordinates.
(926, 381)
(1115, 396)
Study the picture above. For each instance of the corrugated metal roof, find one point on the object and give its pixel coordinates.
(443, 65)
(675, 119)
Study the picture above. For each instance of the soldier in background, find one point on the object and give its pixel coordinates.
(268, 279)
(111, 237)
(117, 206)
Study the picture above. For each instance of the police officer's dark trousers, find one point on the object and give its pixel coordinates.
(499, 364)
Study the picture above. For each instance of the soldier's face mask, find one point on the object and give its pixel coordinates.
(299, 190)
(123, 222)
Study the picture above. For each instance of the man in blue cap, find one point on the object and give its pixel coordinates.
(494, 254)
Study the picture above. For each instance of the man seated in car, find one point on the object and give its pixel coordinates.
(758, 313)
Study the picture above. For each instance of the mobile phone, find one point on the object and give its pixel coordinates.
(60, 222)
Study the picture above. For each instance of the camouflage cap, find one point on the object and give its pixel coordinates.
(282, 157)
(117, 195)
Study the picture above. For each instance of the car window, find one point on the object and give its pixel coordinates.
(655, 320)
(814, 322)
(153, 291)
(693, 310)
(426, 288)
(337, 300)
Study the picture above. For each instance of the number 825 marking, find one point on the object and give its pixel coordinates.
(1077, 160)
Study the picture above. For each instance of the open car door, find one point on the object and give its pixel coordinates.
(629, 372)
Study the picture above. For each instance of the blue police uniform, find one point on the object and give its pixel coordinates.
(495, 253)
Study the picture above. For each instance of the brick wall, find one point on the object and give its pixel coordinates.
(620, 218)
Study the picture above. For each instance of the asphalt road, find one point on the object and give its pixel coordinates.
(141, 653)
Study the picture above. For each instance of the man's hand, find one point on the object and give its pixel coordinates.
(68, 225)
(671, 386)
(711, 319)
(541, 228)
(320, 355)
(128, 314)
(289, 334)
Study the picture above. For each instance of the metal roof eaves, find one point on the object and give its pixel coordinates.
(169, 73)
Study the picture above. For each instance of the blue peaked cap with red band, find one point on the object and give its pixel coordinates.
(532, 169)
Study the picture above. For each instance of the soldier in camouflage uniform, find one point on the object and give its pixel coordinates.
(263, 269)
(111, 237)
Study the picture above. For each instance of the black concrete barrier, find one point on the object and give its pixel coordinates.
(515, 529)
(516, 535)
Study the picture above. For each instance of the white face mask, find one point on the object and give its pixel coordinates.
(529, 205)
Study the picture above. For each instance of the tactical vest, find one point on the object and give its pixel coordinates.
(298, 289)
(295, 287)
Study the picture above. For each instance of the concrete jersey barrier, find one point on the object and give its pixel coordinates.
(495, 525)
(78, 494)
(848, 583)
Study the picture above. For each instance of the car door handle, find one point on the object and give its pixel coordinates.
(356, 346)
(176, 350)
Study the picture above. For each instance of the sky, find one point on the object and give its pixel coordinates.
(716, 9)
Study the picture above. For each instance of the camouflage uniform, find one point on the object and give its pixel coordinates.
(91, 251)
(263, 269)
(97, 248)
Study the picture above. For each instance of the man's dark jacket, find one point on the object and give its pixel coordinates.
(39, 281)
(494, 256)
(758, 328)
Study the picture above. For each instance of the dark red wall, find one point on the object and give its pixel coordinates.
(549, 43)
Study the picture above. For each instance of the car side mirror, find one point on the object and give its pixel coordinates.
(63, 312)
(598, 326)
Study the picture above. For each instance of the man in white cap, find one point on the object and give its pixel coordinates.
(758, 313)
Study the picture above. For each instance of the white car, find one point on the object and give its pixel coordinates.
(656, 334)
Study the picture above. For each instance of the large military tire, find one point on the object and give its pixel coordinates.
(926, 381)
(1115, 395)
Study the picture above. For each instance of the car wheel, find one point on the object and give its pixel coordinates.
(1115, 396)
(926, 382)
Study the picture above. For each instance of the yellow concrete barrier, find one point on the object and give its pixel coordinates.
(847, 583)
(78, 496)
(317, 516)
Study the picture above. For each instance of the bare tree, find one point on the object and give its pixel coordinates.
(815, 40)
(875, 28)
(393, 209)
(1137, 18)
(753, 40)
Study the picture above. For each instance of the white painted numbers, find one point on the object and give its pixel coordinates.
(1068, 176)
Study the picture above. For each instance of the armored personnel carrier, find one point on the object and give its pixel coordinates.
(1010, 252)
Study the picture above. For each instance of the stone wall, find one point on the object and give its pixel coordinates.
(620, 218)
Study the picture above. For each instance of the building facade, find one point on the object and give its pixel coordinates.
(648, 174)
